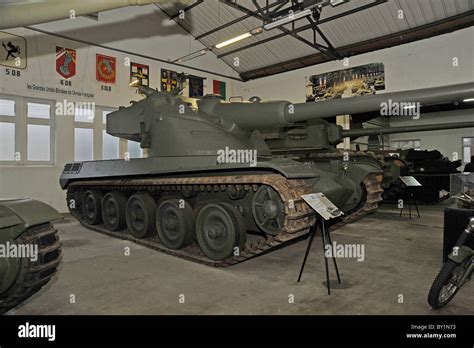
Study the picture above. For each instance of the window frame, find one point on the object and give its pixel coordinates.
(21, 122)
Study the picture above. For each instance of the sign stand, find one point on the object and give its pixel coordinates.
(410, 182)
(327, 210)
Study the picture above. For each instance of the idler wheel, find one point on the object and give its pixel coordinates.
(91, 207)
(268, 210)
(220, 228)
(113, 211)
(175, 223)
(140, 215)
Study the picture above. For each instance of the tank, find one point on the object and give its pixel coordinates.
(430, 168)
(216, 187)
(30, 249)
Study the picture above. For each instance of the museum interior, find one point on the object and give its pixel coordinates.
(210, 157)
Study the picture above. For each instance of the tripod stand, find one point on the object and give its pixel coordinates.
(411, 199)
(326, 238)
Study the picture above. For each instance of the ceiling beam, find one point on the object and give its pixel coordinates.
(292, 32)
(303, 28)
(426, 31)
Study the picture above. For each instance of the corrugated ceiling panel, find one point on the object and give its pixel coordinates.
(372, 23)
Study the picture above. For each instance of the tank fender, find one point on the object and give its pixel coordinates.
(28, 212)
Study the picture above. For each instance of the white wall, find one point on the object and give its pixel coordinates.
(421, 64)
(144, 30)
(42, 181)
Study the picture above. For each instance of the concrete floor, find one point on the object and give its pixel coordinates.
(401, 257)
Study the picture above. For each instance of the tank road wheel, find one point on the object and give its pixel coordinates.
(219, 229)
(240, 221)
(268, 210)
(91, 207)
(113, 210)
(140, 215)
(175, 224)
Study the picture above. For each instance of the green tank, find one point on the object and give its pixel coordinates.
(215, 187)
(30, 250)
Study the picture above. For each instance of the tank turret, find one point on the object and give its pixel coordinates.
(163, 118)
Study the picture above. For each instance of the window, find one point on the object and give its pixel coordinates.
(110, 146)
(7, 141)
(39, 144)
(134, 149)
(7, 107)
(83, 140)
(467, 149)
(84, 116)
(39, 139)
(7, 130)
(36, 110)
(405, 144)
(26, 130)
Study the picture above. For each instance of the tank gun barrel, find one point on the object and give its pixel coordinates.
(405, 129)
(275, 114)
(336, 107)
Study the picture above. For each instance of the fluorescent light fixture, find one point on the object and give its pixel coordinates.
(233, 40)
(288, 19)
(410, 107)
(469, 100)
(335, 3)
(191, 56)
(135, 83)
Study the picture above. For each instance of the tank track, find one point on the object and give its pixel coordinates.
(34, 275)
(299, 216)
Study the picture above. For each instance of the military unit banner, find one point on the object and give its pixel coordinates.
(65, 62)
(12, 51)
(196, 87)
(218, 87)
(169, 80)
(105, 68)
(139, 75)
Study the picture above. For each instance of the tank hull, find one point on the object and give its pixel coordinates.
(355, 191)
